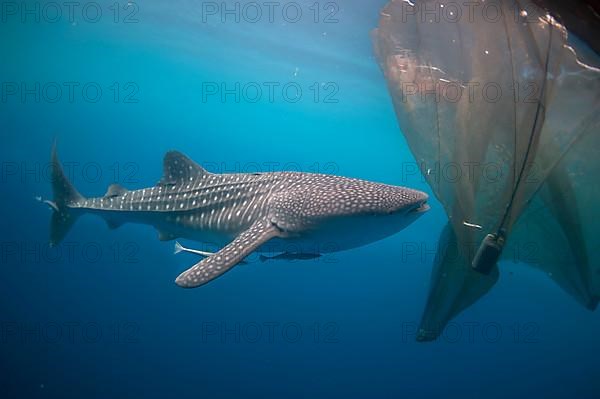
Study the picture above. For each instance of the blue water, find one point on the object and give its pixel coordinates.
(100, 317)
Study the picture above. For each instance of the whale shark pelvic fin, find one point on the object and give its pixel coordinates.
(213, 266)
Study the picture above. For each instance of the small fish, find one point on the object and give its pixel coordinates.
(473, 225)
(180, 248)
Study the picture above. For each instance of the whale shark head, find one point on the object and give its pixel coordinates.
(383, 210)
(349, 212)
(395, 200)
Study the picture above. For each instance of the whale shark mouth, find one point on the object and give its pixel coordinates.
(420, 208)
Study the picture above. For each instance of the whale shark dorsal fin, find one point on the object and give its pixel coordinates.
(115, 190)
(233, 253)
(178, 168)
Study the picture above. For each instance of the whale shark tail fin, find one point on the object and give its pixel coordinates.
(65, 196)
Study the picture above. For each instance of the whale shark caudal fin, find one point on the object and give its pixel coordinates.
(64, 195)
(233, 253)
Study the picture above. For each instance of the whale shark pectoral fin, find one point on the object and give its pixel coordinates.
(233, 253)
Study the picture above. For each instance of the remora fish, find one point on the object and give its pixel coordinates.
(244, 211)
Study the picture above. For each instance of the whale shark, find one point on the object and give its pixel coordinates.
(242, 212)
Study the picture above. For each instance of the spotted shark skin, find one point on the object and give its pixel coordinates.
(242, 212)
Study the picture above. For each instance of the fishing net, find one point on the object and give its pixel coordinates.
(500, 108)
